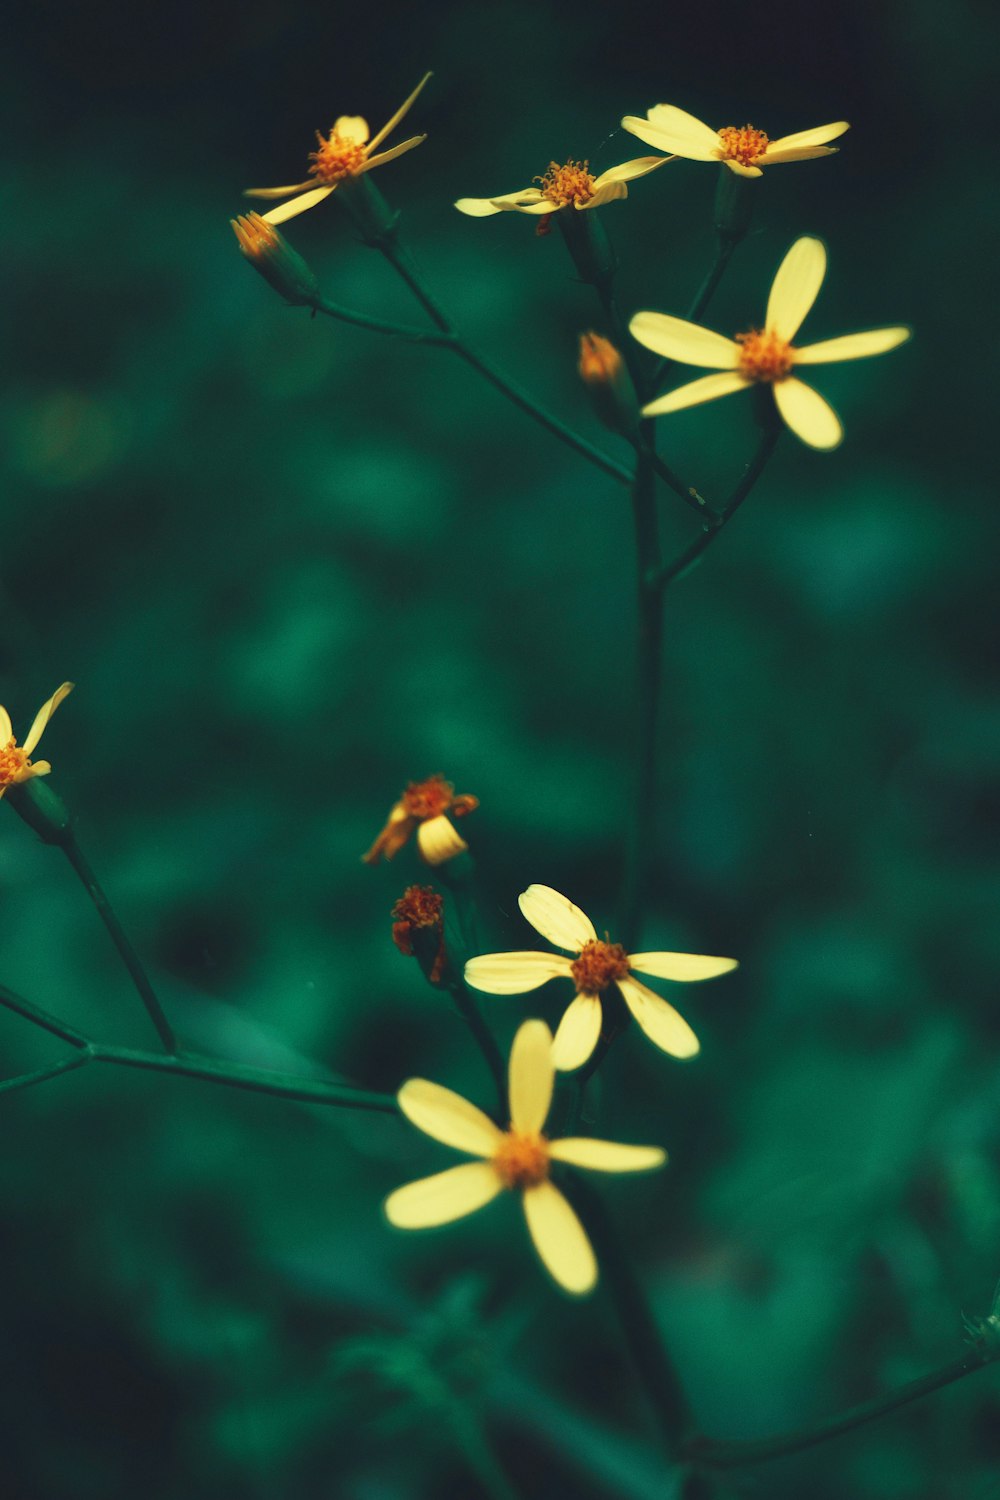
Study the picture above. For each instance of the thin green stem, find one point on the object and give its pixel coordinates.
(42, 1019)
(127, 953)
(412, 335)
(40, 1075)
(706, 291)
(485, 1040)
(711, 1453)
(687, 492)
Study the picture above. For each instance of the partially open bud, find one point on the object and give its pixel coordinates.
(609, 384)
(271, 254)
(418, 930)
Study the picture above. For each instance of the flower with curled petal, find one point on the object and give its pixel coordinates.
(743, 149)
(16, 764)
(594, 968)
(571, 185)
(423, 807)
(517, 1159)
(346, 152)
(765, 354)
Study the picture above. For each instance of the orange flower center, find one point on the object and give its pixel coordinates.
(337, 158)
(428, 799)
(571, 183)
(522, 1159)
(598, 964)
(743, 143)
(14, 764)
(763, 355)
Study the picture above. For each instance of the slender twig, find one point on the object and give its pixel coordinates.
(705, 292)
(40, 1075)
(485, 1040)
(687, 492)
(412, 335)
(42, 1018)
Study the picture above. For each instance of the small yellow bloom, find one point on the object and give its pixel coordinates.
(594, 968)
(422, 807)
(744, 149)
(765, 354)
(517, 1159)
(15, 760)
(572, 185)
(345, 152)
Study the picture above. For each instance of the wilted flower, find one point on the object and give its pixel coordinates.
(418, 929)
(517, 1158)
(571, 185)
(16, 764)
(744, 149)
(596, 966)
(765, 354)
(345, 152)
(423, 807)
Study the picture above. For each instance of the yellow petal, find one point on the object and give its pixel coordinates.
(629, 170)
(795, 287)
(606, 1156)
(577, 1033)
(393, 152)
(819, 135)
(696, 391)
(741, 170)
(351, 128)
(797, 153)
(278, 192)
(672, 129)
(446, 1196)
(664, 1026)
(559, 1238)
(39, 768)
(808, 414)
(477, 208)
(445, 1116)
(531, 1076)
(515, 973)
(852, 346)
(606, 193)
(43, 716)
(685, 967)
(438, 840)
(526, 205)
(6, 727)
(556, 918)
(297, 205)
(401, 111)
(689, 343)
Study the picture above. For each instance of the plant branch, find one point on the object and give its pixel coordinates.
(40, 1075)
(412, 335)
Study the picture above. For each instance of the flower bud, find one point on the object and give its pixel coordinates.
(609, 384)
(271, 254)
(418, 931)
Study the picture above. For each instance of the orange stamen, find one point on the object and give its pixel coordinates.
(597, 965)
(744, 144)
(763, 355)
(571, 183)
(522, 1160)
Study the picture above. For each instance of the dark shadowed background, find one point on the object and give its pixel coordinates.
(290, 565)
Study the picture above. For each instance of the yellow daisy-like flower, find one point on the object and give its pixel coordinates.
(423, 807)
(765, 354)
(595, 967)
(346, 152)
(15, 760)
(571, 185)
(518, 1158)
(744, 149)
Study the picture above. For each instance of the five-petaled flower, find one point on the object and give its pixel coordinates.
(423, 807)
(765, 354)
(15, 760)
(744, 149)
(571, 185)
(594, 968)
(516, 1158)
(345, 152)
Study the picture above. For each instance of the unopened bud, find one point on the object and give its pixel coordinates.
(271, 254)
(418, 930)
(609, 384)
(373, 218)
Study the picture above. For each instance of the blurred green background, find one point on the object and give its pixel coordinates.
(290, 566)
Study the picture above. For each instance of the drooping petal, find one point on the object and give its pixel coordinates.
(817, 136)
(696, 391)
(688, 343)
(577, 1033)
(297, 205)
(852, 346)
(629, 170)
(445, 1196)
(393, 152)
(556, 918)
(530, 1076)
(741, 169)
(477, 208)
(391, 124)
(796, 286)
(446, 1117)
(515, 973)
(43, 716)
(438, 840)
(671, 129)
(808, 414)
(799, 153)
(39, 768)
(664, 1026)
(529, 206)
(560, 1238)
(6, 727)
(606, 193)
(606, 1156)
(685, 967)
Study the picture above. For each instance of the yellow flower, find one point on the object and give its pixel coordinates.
(594, 968)
(517, 1158)
(743, 149)
(570, 185)
(15, 760)
(422, 807)
(765, 354)
(345, 152)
